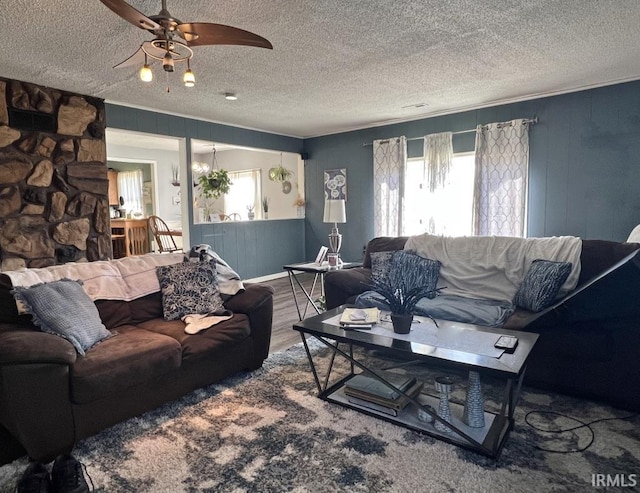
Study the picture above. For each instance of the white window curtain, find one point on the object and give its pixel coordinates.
(500, 186)
(130, 189)
(438, 156)
(389, 163)
(244, 193)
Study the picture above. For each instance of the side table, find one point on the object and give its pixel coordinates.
(319, 271)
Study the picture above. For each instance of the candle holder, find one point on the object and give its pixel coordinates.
(444, 386)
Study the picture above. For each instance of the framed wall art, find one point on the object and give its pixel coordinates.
(335, 184)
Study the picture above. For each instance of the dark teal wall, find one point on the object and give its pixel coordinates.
(584, 176)
(254, 249)
(177, 126)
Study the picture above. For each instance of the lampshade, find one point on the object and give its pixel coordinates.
(334, 211)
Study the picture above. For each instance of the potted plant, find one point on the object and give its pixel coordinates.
(215, 183)
(265, 207)
(250, 213)
(401, 300)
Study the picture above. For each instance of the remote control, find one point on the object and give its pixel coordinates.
(508, 343)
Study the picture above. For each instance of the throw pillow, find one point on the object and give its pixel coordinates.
(188, 288)
(229, 281)
(381, 264)
(541, 284)
(409, 270)
(64, 309)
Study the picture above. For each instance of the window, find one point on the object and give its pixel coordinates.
(130, 185)
(446, 211)
(244, 193)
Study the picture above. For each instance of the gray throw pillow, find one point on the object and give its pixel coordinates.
(409, 270)
(541, 284)
(64, 309)
(189, 288)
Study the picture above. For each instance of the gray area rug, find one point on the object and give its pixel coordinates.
(268, 432)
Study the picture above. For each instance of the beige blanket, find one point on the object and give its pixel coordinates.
(124, 279)
(493, 267)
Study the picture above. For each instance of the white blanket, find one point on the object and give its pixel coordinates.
(124, 279)
(493, 267)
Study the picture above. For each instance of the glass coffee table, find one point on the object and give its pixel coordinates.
(449, 345)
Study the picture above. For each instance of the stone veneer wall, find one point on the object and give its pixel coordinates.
(53, 185)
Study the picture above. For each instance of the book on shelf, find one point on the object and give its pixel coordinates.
(372, 386)
(396, 403)
(360, 316)
(372, 405)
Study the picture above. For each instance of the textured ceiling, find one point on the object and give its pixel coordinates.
(336, 64)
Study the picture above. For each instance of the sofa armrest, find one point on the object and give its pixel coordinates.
(25, 346)
(35, 401)
(257, 303)
(340, 285)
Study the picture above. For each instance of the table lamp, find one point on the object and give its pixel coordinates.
(334, 212)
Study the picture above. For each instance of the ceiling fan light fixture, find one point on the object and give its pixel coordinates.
(167, 62)
(230, 96)
(146, 75)
(189, 77)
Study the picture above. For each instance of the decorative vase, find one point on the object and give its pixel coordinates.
(251, 215)
(266, 215)
(444, 386)
(474, 403)
(401, 322)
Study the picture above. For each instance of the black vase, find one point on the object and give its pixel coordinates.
(401, 322)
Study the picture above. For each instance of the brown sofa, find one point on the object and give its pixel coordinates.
(50, 397)
(589, 343)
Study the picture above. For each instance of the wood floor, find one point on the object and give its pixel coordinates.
(285, 313)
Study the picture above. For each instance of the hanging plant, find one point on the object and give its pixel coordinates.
(215, 183)
(280, 173)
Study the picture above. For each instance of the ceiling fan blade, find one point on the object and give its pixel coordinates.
(129, 14)
(206, 33)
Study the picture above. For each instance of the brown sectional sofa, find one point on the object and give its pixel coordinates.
(589, 343)
(50, 397)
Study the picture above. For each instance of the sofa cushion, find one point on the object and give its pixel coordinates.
(146, 308)
(114, 313)
(541, 284)
(132, 357)
(189, 288)
(206, 342)
(49, 305)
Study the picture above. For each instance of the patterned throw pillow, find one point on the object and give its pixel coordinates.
(64, 309)
(381, 264)
(188, 288)
(541, 284)
(410, 270)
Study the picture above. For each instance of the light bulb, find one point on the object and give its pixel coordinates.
(146, 75)
(167, 62)
(189, 78)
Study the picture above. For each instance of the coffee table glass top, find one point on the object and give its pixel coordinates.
(425, 341)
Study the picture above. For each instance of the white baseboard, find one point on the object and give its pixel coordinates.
(269, 277)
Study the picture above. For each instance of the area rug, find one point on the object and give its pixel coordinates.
(267, 431)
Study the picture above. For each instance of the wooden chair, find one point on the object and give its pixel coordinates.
(163, 235)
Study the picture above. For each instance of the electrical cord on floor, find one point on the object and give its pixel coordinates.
(566, 430)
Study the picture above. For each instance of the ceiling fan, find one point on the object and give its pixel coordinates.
(174, 39)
